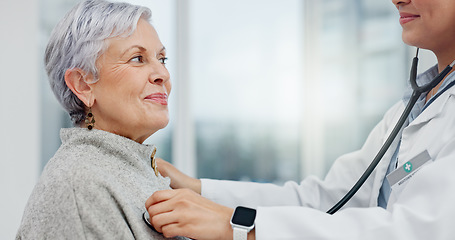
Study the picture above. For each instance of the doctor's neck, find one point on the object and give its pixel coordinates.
(444, 58)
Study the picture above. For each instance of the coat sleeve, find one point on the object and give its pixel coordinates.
(311, 192)
(424, 210)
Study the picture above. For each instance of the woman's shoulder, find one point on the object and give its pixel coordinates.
(51, 205)
(74, 165)
(71, 181)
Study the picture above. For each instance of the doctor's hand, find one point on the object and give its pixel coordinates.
(178, 179)
(183, 212)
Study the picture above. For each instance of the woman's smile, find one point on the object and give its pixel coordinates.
(160, 98)
(407, 17)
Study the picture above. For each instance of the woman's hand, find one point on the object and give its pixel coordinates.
(178, 179)
(185, 213)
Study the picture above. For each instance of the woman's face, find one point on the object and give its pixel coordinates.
(131, 94)
(427, 24)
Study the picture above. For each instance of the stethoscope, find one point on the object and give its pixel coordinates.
(417, 91)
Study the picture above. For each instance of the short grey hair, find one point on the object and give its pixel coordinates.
(79, 39)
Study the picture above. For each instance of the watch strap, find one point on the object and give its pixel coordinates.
(240, 233)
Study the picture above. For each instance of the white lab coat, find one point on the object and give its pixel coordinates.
(423, 209)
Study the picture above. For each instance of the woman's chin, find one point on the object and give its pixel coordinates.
(158, 125)
(413, 41)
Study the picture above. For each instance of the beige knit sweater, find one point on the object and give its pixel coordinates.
(95, 187)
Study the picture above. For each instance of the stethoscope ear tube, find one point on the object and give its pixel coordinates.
(413, 74)
(433, 83)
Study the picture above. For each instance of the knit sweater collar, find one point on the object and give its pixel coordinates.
(105, 141)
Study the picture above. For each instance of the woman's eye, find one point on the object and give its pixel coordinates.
(163, 60)
(137, 59)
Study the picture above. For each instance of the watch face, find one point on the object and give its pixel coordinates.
(244, 216)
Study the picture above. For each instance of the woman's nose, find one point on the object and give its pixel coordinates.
(158, 81)
(398, 3)
(160, 75)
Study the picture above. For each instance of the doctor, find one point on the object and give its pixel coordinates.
(410, 195)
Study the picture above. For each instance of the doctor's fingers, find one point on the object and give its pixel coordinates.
(193, 219)
(175, 195)
(172, 225)
(165, 168)
(165, 221)
(170, 200)
(160, 196)
(175, 223)
(178, 178)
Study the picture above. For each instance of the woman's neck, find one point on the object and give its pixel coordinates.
(445, 58)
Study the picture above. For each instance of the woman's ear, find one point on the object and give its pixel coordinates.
(76, 80)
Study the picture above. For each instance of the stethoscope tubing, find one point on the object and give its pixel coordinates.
(417, 91)
(379, 155)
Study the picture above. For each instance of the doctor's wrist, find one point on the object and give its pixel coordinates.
(196, 185)
(251, 234)
(243, 223)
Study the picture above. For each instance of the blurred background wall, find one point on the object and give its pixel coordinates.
(20, 109)
(263, 90)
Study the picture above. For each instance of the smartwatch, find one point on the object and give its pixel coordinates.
(242, 221)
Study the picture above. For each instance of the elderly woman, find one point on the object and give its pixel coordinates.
(106, 66)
